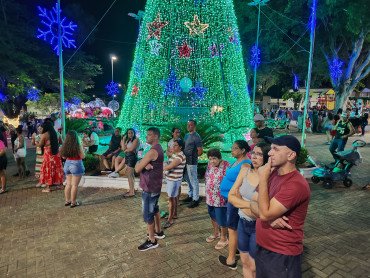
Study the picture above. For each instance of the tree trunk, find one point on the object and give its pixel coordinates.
(341, 96)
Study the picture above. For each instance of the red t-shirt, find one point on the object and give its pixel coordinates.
(293, 192)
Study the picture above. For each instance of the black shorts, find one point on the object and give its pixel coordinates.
(273, 265)
(131, 159)
(3, 162)
(93, 148)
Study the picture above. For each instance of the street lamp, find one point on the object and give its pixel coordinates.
(113, 58)
(255, 3)
(139, 16)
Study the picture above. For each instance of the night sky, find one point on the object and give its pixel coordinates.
(116, 34)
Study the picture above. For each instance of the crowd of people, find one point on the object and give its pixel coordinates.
(257, 204)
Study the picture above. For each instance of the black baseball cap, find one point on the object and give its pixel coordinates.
(286, 140)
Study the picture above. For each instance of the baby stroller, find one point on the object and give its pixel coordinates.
(340, 171)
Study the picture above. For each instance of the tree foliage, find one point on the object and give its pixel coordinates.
(26, 61)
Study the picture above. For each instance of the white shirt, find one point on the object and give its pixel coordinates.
(94, 137)
(57, 124)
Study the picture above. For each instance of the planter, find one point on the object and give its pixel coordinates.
(306, 172)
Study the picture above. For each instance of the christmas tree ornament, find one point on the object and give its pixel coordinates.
(199, 91)
(214, 51)
(185, 50)
(186, 84)
(155, 27)
(112, 88)
(171, 86)
(155, 46)
(195, 27)
(135, 90)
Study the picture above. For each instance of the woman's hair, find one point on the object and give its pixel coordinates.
(54, 145)
(71, 146)
(330, 116)
(2, 138)
(181, 143)
(87, 131)
(255, 129)
(340, 111)
(214, 153)
(242, 144)
(174, 129)
(19, 129)
(265, 147)
(336, 117)
(126, 135)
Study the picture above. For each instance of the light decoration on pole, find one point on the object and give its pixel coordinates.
(336, 72)
(76, 101)
(171, 79)
(258, 3)
(255, 57)
(296, 82)
(112, 88)
(33, 94)
(50, 21)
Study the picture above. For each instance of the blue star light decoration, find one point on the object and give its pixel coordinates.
(255, 57)
(336, 70)
(112, 88)
(67, 105)
(33, 94)
(231, 89)
(296, 82)
(139, 68)
(50, 20)
(76, 100)
(203, 2)
(199, 91)
(171, 85)
(3, 98)
(152, 105)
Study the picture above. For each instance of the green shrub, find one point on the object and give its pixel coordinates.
(303, 156)
(90, 162)
(77, 125)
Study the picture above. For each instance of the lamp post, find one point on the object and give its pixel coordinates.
(255, 3)
(139, 16)
(113, 58)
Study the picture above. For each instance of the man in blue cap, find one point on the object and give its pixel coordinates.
(281, 203)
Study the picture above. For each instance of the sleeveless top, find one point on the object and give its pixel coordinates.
(151, 180)
(247, 192)
(129, 145)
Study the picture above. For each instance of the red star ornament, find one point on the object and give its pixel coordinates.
(185, 50)
(155, 27)
(135, 90)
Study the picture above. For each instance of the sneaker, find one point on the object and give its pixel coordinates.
(160, 235)
(147, 245)
(38, 185)
(106, 171)
(187, 200)
(113, 175)
(193, 204)
(222, 260)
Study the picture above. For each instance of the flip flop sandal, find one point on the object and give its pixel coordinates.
(221, 244)
(167, 225)
(3, 191)
(127, 195)
(172, 217)
(46, 190)
(212, 238)
(75, 204)
(67, 204)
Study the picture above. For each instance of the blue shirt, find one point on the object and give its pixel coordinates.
(231, 174)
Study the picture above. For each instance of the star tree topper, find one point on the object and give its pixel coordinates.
(195, 27)
(155, 27)
(185, 50)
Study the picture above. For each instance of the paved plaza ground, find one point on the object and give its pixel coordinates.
(40, 237)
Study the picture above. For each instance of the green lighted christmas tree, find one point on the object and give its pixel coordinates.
(188, 65)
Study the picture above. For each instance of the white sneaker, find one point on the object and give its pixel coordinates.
(114, 175)
(38, 185)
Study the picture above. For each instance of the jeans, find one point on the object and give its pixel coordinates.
(74, 168)
(191, 177)
(363, 127)
(247, 237)
(149, 202)
(336, 144)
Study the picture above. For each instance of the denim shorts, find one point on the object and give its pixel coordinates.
(173, 188)
(150, 206)
(275, 265)
(247, 237)
(232, 217)
(218, 213)
(74, 167)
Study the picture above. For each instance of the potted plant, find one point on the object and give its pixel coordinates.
(305, 164)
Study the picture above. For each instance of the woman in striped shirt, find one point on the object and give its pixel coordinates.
(174, 172)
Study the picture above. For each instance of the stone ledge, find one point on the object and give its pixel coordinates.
(122, 183)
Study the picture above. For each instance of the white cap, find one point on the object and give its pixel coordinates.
(258, 117)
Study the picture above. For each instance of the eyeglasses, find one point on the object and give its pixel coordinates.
(257, 154)
(235, 148)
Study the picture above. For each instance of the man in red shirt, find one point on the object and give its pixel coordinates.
(281, 203)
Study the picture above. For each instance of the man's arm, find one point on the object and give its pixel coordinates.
(176, 162)
(269, 210)
(200, 151)
(351, 130)
(234, 196)
(151, 155)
